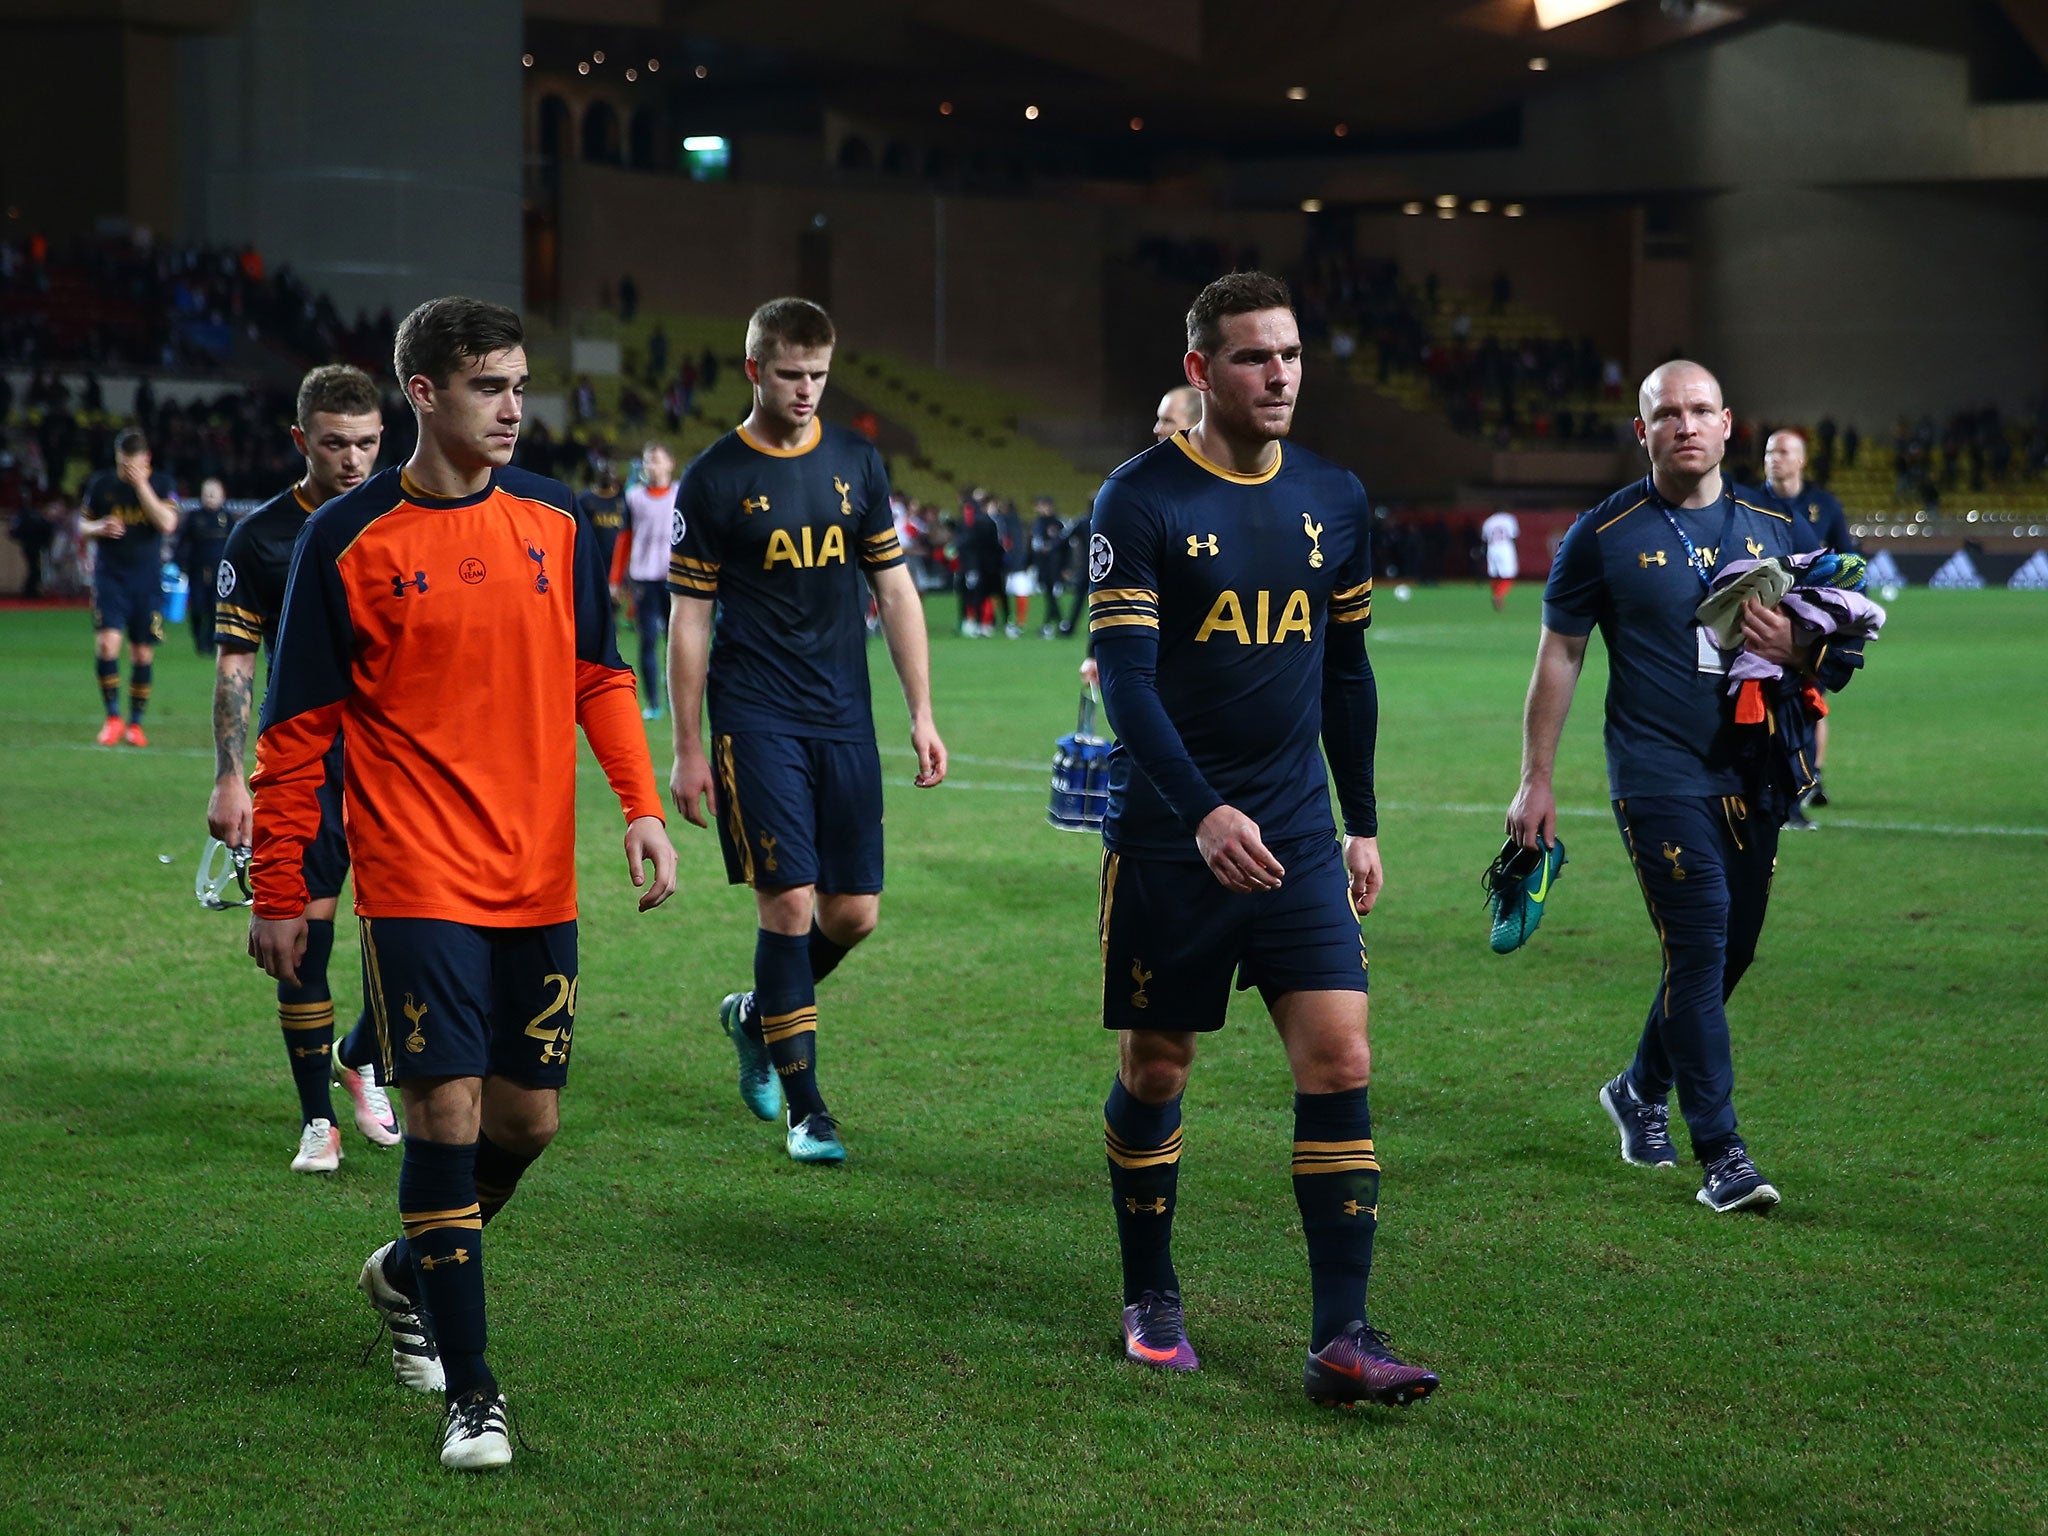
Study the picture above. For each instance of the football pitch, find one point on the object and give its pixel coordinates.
(696, 1334)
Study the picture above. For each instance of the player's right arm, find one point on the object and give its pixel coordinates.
(1573, 601)
(1123, 622)
(309, 679)
(237, 636)
(693, 589)
(229, 808)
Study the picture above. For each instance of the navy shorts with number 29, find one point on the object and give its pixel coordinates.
(454, 1000)
(796, 810)
(1173, 936)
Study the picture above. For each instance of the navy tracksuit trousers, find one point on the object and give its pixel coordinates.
(1705, 865)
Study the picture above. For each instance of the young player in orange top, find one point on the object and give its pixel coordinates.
(451, 618)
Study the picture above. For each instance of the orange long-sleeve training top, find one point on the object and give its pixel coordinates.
(458, 644)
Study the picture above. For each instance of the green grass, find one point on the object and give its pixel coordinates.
(698, 1335)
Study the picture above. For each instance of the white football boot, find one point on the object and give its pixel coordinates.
(415, 1356)
(319, 1148)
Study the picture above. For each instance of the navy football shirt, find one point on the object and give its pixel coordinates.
(1624, 569)
(780, 539)
(249, 585)
(1238, 577)
(140, 547)
(1818, 521)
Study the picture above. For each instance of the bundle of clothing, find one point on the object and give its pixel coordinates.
(1774, 711)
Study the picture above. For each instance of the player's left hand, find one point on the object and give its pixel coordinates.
(1768, 633)
(278, 945)
(647, 843)
(930, 753)
(1362, 864)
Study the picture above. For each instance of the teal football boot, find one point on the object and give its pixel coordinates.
(759, 1086)
(1517, 884)
(815, 1139)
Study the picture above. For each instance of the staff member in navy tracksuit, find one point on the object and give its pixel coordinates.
(1636, 566)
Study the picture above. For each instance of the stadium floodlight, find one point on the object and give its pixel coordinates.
(707, 157)
(1558, 13)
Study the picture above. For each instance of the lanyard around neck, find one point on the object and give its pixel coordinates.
(1693, 557)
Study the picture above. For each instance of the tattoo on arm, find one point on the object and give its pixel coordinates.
(231, 691)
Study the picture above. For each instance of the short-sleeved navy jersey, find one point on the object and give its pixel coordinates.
(780, 538)
(1818, 521)
(106, 494)
(1623, 568)
(607, 516)
(1238, 575)
(249, 586)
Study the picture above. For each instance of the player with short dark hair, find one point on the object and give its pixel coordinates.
(1231, 582)
(450, 617)
(1635, 568)
(339, 428)
(128, 510)
(777, 522)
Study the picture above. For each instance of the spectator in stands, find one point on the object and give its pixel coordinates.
(583, 400)
(707, 369)
(1851, 441)
(657, 355)
(629, 298)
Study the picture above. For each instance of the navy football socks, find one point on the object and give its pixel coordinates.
(109, 671)
(1143, 1142)
(1337, 1186)
(825, 955)
(497, 1175)
(141, 675)
(444, 1237)
(307, 1014)
(786, 1007)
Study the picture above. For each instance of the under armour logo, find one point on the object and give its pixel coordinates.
(1755, 549)
(1359, 1208)
(432, 1262)
(1314, 530)
(417, 1040)
(1202, 546)
(752, 504)
(842, 487)
(303, 1051)
(1672, 854)
(1149, 1207)
(418, 583)
(1141, 976)
(1655, 557)
(540, 559)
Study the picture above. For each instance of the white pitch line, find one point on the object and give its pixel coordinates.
(1855, 824)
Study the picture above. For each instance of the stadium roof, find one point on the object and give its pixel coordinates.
(1212, 75)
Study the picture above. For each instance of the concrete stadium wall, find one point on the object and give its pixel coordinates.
(1863, 237)
(374, 147)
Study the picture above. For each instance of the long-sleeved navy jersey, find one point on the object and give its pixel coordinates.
(1228, 613)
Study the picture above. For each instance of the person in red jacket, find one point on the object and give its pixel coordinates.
(450, 618)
